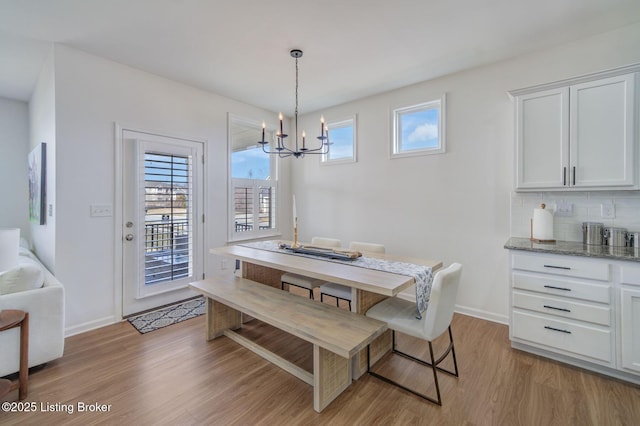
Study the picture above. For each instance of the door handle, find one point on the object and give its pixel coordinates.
(129, 237)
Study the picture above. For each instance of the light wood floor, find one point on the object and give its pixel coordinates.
(173, 376)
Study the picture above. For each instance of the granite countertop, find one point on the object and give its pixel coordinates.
(573, 248)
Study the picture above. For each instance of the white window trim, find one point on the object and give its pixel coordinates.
(233, 236)
(344, 122)
(395, 130)
(255, 232)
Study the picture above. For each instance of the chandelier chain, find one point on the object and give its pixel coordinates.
(296, 111)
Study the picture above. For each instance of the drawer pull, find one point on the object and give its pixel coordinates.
(557, 329)
(557, 309)
(557, 288)
(566, 268)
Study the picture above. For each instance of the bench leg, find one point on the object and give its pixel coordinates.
(220, 318)
(331, 376)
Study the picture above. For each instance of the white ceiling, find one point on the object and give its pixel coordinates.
(240, 48)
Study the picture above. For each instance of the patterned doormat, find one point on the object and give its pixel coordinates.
(169, 315)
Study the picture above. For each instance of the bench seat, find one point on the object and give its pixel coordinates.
(336, 334)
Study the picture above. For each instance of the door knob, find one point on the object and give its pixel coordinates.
(129, 237)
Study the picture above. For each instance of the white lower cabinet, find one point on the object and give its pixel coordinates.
(630, 318)
(583, 311)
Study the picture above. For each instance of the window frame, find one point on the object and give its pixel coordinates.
(396, 142)
(338, 123)
(256, 184)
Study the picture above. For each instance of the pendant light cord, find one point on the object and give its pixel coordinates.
(296, 111)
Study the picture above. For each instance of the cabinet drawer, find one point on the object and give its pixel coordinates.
(566, 336)
(630, 273)
(574, 289)
(563, 307)
(563, 265)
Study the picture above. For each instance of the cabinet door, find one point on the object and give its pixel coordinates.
(630, 329)
(602, 127)
(542, 139)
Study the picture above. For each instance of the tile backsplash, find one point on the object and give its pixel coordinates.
(586, 208)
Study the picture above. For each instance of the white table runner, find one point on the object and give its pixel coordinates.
(423, 275)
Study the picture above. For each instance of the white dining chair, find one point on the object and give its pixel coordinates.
(400, 315)
(342, 292)
(302, 281)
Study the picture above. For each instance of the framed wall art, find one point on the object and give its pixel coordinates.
(37, 184)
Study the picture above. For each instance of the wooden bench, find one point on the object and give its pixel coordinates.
(336, 334)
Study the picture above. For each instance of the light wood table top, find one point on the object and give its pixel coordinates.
(385, 283)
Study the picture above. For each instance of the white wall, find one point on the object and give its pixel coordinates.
(42, 128)
(14, 148)
(91, 94)
(452, 207)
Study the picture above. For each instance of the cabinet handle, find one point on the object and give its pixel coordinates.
(566, 268)
(557, 309)
(557, 288)
(564, 176)
(574, 175)
(557, 329)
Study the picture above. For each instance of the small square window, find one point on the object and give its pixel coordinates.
(342, 141)
(418, 129)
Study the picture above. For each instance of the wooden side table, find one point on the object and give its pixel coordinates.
(11, 318)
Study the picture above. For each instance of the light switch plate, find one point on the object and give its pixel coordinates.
(564, 209)
(608, 210)
(101, 210)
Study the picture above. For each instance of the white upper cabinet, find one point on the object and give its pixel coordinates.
(543, 138)
(602, 132)
(578, 136)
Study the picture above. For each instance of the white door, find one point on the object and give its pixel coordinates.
(162, 232)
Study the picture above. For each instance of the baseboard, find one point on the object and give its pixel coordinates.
(466, 310)
(485, 315)
(91, 325)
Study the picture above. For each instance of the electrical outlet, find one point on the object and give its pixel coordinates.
(608, 210)
(564, 209)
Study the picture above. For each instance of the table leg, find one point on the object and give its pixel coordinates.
(380, 345)
(23, 376)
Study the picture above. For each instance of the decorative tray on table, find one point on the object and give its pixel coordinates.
(330, 253)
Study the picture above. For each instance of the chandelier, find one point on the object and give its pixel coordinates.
(281, 149)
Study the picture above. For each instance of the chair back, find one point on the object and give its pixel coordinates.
(442, 300)
(370, 247)
(325, 242)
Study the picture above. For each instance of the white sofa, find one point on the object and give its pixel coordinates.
(46, 322)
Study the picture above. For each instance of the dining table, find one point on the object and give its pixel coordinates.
(372, 277)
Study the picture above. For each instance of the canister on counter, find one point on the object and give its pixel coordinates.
(592, 233)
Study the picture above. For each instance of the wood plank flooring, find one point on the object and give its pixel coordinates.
(174, 377)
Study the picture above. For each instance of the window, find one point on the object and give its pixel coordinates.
(168, 217)
(342, 140)
(419, 129)
(253, 182)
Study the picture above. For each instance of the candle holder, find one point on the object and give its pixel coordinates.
(295, 235)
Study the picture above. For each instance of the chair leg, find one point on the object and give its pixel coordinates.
(433, 364)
